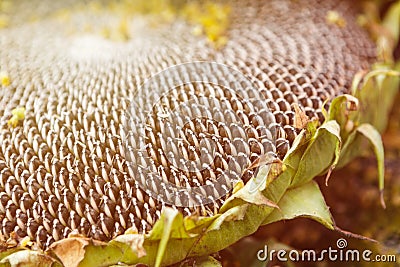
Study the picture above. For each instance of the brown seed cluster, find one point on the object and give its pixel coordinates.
(65, 166)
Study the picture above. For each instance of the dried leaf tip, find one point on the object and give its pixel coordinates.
(300, 118)
(382, 199)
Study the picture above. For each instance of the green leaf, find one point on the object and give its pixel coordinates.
(374, 89)
(171, 219)
(303, 201)
(376, 95)
(252, 192)
(293, 157)
(226, 232)
(352, 148)
(344, 109)
(169, 225)
(321, 154)
(375, 139)
(134, 241)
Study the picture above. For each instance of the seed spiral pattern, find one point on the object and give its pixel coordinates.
(64, 168)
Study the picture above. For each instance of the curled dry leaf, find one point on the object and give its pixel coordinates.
(70, 251)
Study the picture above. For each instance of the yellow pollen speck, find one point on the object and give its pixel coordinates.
(197, 30)
(4, 78)
(18, 114)
(334, 18)
(26, 241)
(211, 19)
(362, 20)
